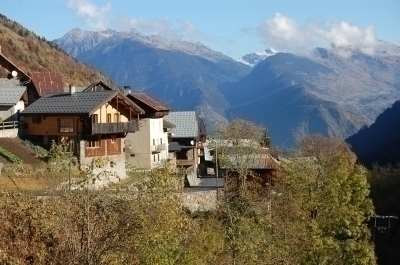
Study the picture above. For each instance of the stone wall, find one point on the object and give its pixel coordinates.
(201, 200)
(104, 169)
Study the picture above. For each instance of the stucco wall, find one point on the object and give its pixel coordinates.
(138, 145)
(11, 113)
(9, 133)
(109, 109)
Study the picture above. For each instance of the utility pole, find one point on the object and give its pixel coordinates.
(71, 150)
(383, 229)
(216, 168)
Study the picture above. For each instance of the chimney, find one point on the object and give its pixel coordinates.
(127, 90)
(71, 89)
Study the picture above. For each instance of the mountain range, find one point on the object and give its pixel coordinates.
(326, 90)
(183, 74)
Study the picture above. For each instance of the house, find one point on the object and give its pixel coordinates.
(148, 147)
(98, 86)
(230, 157)
(37, 84)
(94, 123)
(12, 100)
(190, 133)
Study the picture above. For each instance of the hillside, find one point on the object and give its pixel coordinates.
(33, 53)
(380, 142)
(17, 147)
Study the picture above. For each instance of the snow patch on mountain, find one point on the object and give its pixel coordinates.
(252, 59)
(90, 39)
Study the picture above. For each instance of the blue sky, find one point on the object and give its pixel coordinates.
(233, 27)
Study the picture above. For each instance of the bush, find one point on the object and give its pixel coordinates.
(40, 151)
(10, 156)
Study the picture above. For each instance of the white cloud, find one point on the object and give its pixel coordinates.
(163, 26)
(100, 17)
(93, 15)
(285, 34)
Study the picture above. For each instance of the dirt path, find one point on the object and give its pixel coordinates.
(18, 148)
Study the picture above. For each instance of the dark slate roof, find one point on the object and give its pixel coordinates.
(186, 124)
(150, 101)
(77, 103)
(97, 86)
(253, 161)
(9, 96)
(167, 124)
(174, 147)
(5, 82)
(47, 83)
(101, 86)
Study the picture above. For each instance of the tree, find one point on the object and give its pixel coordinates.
(164, 225)
(323, 205)
(244, 210)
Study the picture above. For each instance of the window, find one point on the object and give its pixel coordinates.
(116, 117)
(95, 118)
(37, 119)
(108, 117)
(93, 141)
(160, 140)
(66, 125)
(158, 157)
(154, 141)
(154, 158)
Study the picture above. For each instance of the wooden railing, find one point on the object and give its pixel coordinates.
(8, 125)
(185, 162)
(114, 127)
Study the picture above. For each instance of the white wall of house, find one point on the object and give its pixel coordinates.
(148, 147)
(9, 113)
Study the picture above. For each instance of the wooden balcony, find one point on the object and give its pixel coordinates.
(184, 162)
(113, 127)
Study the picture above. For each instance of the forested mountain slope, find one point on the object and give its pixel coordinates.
(33, 53)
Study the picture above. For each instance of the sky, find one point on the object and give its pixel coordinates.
(233, 27)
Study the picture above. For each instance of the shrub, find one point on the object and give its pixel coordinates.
(10, 156)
